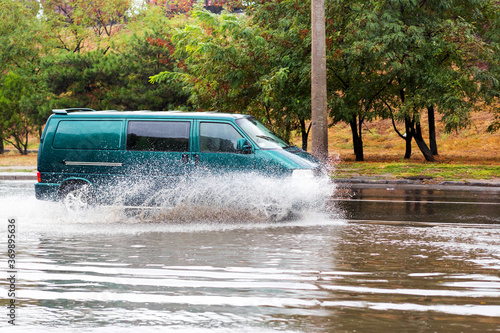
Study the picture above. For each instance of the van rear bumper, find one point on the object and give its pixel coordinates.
(47, 191)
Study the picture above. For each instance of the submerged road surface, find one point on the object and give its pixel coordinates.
(420, 203)
(378, 260)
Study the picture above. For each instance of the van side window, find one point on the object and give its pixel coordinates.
(88, 135)
(218, 137)
(158, 136)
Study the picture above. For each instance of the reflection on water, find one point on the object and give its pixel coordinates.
(318, 273)
(422, 205)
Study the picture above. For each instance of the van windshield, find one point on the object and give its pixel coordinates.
(260, 134)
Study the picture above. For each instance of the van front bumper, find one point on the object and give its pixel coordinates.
(47, 191)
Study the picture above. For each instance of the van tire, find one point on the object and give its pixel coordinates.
(77, 197)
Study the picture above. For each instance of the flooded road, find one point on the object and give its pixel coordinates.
(420, 203)
(363, 266)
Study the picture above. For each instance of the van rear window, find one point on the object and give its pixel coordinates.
(88, 134)
(158, 135)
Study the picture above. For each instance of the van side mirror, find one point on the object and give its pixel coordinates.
(244, 146)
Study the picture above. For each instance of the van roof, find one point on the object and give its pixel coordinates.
(149, 114)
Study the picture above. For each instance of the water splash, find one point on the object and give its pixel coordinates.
(233, 199)
(230, 197)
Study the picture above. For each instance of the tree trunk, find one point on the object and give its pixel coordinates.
(25, 146)
(357, 140)
(432, 130)
(429, 157)
(408, 136)
(305, 133)
(21, 148)
(287, 132)
(2, 147)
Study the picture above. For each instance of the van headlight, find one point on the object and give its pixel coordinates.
(303, 173)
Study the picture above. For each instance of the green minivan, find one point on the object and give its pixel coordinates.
(89, 157)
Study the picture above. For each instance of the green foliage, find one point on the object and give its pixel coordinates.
(441, 58)
(285, 28)
(21, 103)
(385, 59)
(395, 58)
(23, 96)
(19, 29)
(235, 65)
(82, 79)
(354, 61)
(147, 54)
(119, 79)
(112, 81)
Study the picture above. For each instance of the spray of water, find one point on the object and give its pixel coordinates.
(229, 197)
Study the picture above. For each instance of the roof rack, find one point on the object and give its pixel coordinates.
(65, 111)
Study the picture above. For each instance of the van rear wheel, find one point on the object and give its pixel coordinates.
(77, 197)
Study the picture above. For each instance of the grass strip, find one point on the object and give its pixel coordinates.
(400, 170)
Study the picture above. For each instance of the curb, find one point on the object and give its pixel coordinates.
(29, 151)
(18, 177)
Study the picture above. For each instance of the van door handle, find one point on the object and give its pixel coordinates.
(185, 158)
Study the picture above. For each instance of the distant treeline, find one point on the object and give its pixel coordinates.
(390, 59)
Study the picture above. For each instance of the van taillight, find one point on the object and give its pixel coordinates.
(39, 177)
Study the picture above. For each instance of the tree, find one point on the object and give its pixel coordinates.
(146, 52)
(83, 23)
(356, 79)
(286, 28)
(236, 66)
(83, 79)
(435, 55)
(489, 29)
(17, 109)
(176, 7)
(22, 37)
(119, 80)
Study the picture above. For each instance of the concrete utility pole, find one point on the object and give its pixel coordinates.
(319, 117)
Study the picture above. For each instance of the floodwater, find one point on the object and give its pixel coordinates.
(379, 259)
(421, 204)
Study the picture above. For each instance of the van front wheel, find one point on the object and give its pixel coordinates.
(274, 210)
(77, 197)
